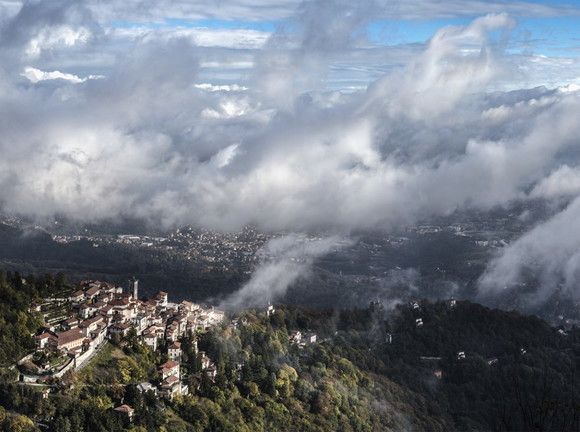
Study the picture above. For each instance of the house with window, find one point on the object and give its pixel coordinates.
(77, 296)
(68, 340)
(42, 340)
(125, 411)
(174, 351)
(169, 368)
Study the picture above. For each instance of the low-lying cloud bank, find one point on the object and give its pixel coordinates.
(550, 253)
(147, 140)
(284, 261)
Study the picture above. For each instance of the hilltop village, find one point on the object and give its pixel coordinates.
(79, 325)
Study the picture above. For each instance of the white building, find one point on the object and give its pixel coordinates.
(169, 368)
(150, 339)
(174, 351)
(87, 311)
(309, 338)
(161, 298)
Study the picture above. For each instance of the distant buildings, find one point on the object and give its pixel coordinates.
(214, 250)
(309, 338)
(302, 339)
(295, 337)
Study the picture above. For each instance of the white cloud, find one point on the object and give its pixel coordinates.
(570, 88)
(36, 75)
(203, 37)
(219, 88)
(227, 64)
(284, 260)
(225, 156)
(550, 252)
(285, 153)
(54, 37)
(565, 181)
(269, 142)
(415, 144)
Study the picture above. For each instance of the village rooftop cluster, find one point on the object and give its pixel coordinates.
(99, 311)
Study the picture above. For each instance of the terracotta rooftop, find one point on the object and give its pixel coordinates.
(92, 291)
(170, 381)
(122, 326)
(119, 302)
(90, 321)
(169, 365)
(44, 335)
(124, 409)
(69, 336)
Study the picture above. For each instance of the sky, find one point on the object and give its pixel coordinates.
(325, 115)
(230, 33)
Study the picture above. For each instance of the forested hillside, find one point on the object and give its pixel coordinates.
(464, 367)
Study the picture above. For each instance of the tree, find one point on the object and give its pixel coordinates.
(62, 424)
(20, 423)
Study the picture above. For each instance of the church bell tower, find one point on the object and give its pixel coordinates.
(134, 288)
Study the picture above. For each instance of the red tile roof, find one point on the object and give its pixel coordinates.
(169, 365)
(92, 291)
(88, 322)
(170, 381)
(45, 335)
(69, 336)
(125, 409)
